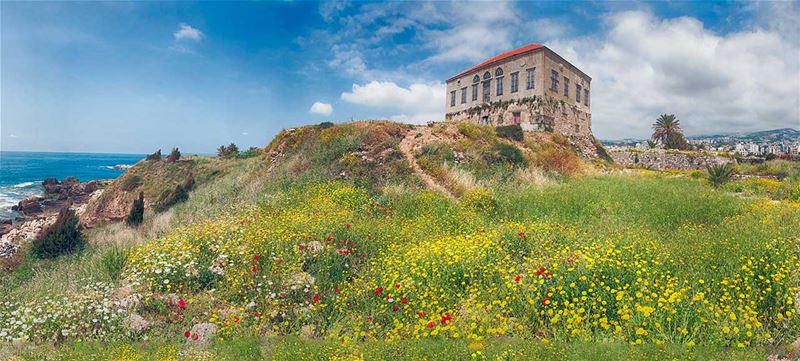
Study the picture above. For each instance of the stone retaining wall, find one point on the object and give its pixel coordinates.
(659, 159)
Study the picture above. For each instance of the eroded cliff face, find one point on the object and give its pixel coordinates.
(659, 159)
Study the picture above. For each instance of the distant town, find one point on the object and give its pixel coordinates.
(768, 144)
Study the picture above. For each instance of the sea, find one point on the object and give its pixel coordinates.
(22, 173)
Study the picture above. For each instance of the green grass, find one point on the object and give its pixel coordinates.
(294, 348)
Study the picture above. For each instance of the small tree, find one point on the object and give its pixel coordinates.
(174, 156)
(513, 132)
(227, 151)
(651, 144)
(720, 174)
(63, 236)
(136, 216)
(155, 156)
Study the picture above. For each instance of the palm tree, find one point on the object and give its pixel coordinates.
(719, 174)
(666, 126)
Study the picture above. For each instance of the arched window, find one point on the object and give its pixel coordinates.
(498, 72)
(476, 79)
(487, 75)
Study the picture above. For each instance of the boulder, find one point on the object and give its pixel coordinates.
(29, 206)
(136, 324)
(202, 334)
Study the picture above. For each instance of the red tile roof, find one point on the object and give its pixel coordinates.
(503, 56)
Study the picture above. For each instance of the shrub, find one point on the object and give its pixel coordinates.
(155, 156)
(179, 194)
(513, 132)
(249, 153)
(720, 174)
(114, 262)
(174, 156)
(136, 215)
(507, 153)
(325, 125)
(129, 182)
(227, 151)
(63, 236)
(480, 200)
(561, 161)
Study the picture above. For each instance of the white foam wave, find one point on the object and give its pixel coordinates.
(25, 184)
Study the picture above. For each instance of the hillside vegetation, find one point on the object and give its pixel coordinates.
(329, 245)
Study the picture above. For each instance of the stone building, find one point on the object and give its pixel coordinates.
(531, 86)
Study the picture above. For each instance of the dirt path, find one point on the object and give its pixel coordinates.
(409, 145)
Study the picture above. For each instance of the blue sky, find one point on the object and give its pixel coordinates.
(134, 77)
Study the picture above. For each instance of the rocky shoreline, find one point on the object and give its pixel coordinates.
(38, 212)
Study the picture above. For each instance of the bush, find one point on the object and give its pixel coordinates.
(325, 125)
(507, 153)
(136, 215)
(227, 151)
(174, 156)
(114, 262)
(249, 153)
(179, 194)
(561, 161)
(720, 174)
(129, 182)
(513, 132)
(63, 236)
(155, 156)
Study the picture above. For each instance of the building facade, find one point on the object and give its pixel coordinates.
(531, 86)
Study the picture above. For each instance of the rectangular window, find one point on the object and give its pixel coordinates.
(500, 86)
(566, 86)
(474, 92)
(486, 89)
(453, 98)
(586, 97)
(554, 81)
(578, 93)
(463, 95)
(529, 83)
(514, 82)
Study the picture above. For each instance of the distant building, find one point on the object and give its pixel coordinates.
(531, 86)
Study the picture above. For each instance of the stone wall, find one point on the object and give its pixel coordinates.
(659, 159)
(536, 113)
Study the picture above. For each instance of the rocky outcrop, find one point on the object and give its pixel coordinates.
(29, 206)
(659, 159)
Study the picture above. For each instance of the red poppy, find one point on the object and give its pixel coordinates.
(302, 246)
(517, 279)
(349, 304)
(396, 285)
(336, 290)
(548, 275)
(316, 298)
(431, 324)
(445, 318)
(421, 313)
(256, 258)
(235, 319)
(195, 337)
(396, 308)
(351, 244)
(369, 319)
(181, 303)
(546, 301)
(403, 301)
(347, 226)
(522, 235)
(187, 334)
(329, 238)
(378, 291)
(241, 222)
(540, 271)
(254, 270)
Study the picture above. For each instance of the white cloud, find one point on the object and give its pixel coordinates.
(321, 108)
(418, 103)
(12, 136)
(644, 66)
(245, 133)
(188, 32)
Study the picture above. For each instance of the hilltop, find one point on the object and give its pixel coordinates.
(380, 240)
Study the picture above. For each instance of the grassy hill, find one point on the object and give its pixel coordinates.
(378, 240)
